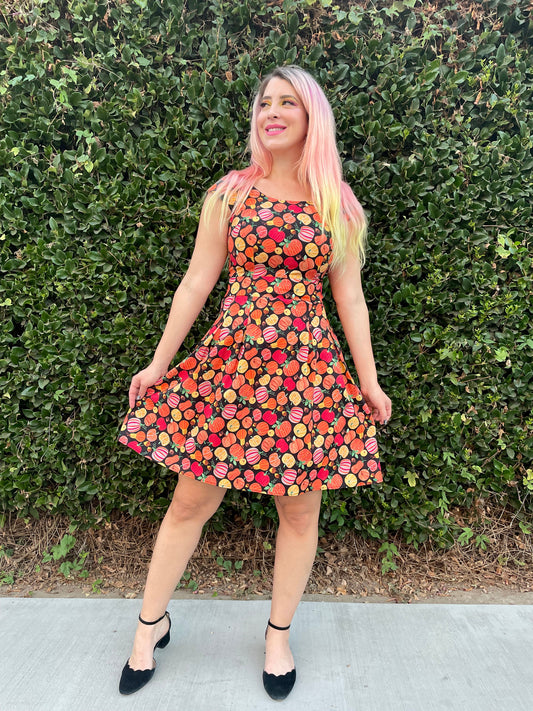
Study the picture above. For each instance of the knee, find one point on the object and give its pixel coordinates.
(301, 519)
(187, 507)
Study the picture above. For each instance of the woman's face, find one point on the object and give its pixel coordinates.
(282, 119)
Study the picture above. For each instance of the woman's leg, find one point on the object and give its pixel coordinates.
(192, 505)
(296, 544)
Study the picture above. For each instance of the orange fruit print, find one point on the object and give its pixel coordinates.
(265, 402)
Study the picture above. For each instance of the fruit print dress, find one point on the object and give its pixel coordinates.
(265, 402)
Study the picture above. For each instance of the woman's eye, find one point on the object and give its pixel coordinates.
(263, 104)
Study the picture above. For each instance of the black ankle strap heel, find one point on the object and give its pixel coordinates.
(132, 680)
(166, 638)
(155, 621)
(270, 624)
(278, 686)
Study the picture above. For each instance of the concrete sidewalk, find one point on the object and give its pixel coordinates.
(67, 655)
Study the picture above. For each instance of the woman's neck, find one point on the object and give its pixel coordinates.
(282, 182)
(285, 168)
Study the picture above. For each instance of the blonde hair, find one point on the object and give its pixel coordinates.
(319, 167)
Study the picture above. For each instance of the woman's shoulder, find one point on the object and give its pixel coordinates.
(233, 185)
(218, 186)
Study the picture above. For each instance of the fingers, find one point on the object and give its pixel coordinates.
(387, 412)
(132, 395)
(137, 390)
(377, 415)
(382, 413)
(140, 383)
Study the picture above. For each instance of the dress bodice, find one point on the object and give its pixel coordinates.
(278, 248)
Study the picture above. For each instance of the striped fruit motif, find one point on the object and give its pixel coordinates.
(221, 469)
(134, 425)
(371, 445)
(204, 389)
(259, 271)
(318, 455)
(349, 410)
(289, 477)
(252, 455)
(265, 401)
(261, 394)
(303, 354)
(229, 411)
(344, 467)
(173, 400)
(318, 395)
(160, 454)
(306, 234)
(270, 334)
(296, 414)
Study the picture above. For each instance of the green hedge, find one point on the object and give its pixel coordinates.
(115, 117)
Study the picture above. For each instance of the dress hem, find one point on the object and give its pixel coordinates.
(211, 480)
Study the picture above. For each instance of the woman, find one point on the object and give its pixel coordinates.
(265, 403)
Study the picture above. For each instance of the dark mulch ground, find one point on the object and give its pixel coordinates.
(113, 560)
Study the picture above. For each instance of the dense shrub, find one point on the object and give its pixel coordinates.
(115, 118)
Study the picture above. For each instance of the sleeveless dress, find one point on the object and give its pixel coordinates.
(265, 402)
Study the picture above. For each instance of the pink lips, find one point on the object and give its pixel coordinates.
(274, 127)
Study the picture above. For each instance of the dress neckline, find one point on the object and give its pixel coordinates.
(285, 202)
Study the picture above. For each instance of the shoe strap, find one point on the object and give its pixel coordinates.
(154, 622)
(276, 627)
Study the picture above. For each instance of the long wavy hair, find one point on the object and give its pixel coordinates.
(319, 167)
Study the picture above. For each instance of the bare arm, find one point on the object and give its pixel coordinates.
(204, 269)
(347, 291)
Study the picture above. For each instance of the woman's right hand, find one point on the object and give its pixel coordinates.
(143, 380)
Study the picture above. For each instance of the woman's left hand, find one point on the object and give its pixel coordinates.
(378, 402)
